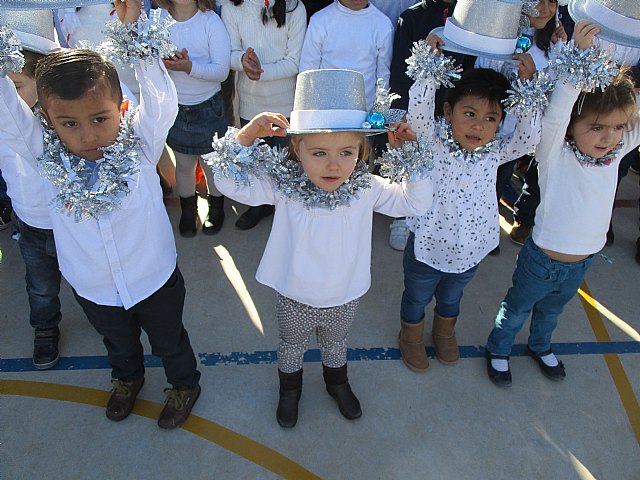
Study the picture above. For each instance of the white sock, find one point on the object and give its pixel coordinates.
(550, 360)
(500, 364)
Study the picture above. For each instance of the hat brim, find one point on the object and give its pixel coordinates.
(451, 46)
(366, 131)
(577, 12)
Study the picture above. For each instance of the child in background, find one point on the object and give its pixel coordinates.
(85, 147)
(318, 254)
(584, 136)
(350, 34)
(447, 243)
(197, 69)
(34, 29)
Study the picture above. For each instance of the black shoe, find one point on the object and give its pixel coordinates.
(187, 226)
(252, 217)
(501, 379)
(45, 348)
(290, 391)
(610, 236)
(340, 390)
(638, 250)
(556, 373)
(215, 217)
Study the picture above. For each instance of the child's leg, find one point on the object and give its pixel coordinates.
(296, 323)
(448, 296)
(186, 173)
(38, 250)
(545, 312)
(420, 283)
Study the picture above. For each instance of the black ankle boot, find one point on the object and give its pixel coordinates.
(187, 226)
(290, 391)
(340, 390)
(252, 216)
(215, 217)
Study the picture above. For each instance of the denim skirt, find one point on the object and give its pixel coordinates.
(195, 126)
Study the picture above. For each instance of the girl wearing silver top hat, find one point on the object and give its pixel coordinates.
(319, 251)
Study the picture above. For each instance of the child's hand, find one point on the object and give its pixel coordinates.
(525, 65)
(265, 124)
(400, 132)
(559, 34)
(179, 62)
(434, 41)
(128, 11)
(251, 64)
(583, 34)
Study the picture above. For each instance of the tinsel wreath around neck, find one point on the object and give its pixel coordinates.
(84, 191)
(587, 161)
(468, 157)
(293, 184)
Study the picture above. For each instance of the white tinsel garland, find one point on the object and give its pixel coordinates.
(529, 95)
(11, 58)
(589, 161)
(426, 63)
(411, 162)
(149, 37)
(78, 195)
(588, 69)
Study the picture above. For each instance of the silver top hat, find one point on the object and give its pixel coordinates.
(34, 29)
(330, 100)
(46, 4)
(483, 28)
(619, 20)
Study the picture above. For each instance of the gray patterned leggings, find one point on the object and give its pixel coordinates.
(296, 324)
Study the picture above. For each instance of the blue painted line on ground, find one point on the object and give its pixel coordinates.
(267, 357)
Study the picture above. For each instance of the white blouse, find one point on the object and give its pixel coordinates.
(462, 226)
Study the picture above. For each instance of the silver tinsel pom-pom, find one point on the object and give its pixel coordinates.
(411, 162)
(147, 38)
(426, 63)
(78, 194)
(529, 95)
(242, 164)
(529, 8)
(587, 69)
(11, 58)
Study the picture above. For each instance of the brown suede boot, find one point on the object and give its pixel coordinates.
(411, 341)
(444, 339)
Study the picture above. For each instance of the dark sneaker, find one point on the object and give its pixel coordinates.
(45, 348)
(177, 406)
(520, 232)
(556, 373)
(123, 396)
(501, 379)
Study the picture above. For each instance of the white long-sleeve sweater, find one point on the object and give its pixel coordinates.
(278, 50)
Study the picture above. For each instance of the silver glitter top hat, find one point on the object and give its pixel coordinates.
(46, 4)
(34, 29)
(330, 100)
(619, 20)
(483, 28)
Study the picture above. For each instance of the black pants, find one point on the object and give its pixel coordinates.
(160, 316)
(524, 210)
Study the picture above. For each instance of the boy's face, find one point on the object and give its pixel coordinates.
(596, 135)
(328, 159)
(474, 121)
(26, 87)
(355, 4)
(84, 124)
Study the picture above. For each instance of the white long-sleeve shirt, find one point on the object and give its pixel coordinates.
(322, 257)
(124, 256)
(575, 200)
(278, 50)
(207, 41)
(360, 40)
(462, 226)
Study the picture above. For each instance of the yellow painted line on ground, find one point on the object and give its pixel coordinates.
(625, 390)
(228, 439)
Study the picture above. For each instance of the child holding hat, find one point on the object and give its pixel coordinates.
(319, 250)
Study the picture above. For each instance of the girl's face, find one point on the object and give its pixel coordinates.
(328, 159)
(597, 134)
(547, 10)
(474, 121)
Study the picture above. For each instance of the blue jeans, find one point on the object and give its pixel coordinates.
(422, 282)
(541, 285)
(38, 250)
